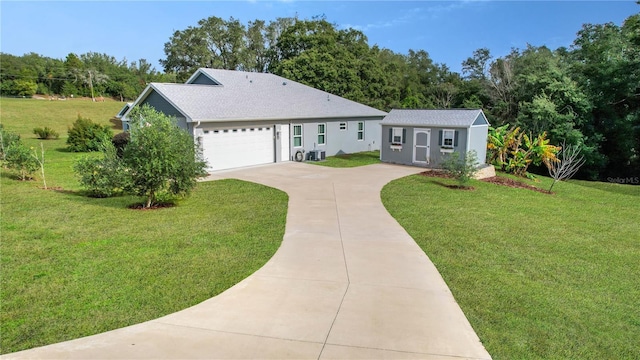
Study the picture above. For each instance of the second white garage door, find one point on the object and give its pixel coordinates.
(233, 148)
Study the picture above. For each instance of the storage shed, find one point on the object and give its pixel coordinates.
(425, 137)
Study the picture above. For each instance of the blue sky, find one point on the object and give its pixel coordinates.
(448, 30)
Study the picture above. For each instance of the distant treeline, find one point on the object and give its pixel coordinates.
(32, 74)
(586, 95)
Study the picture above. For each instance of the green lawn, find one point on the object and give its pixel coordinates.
(350, 160)
(539, 276)
(74, 266)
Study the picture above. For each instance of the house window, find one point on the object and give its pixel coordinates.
(448, 137)
(297, 135)
(322, 134)
(343, 126)
(397, 137)
(360, 130)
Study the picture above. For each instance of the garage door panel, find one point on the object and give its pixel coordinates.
(232, 149)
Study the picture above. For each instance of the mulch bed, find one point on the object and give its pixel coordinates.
(513, 183)
(494, 180)
(153, 207)
(445, 175)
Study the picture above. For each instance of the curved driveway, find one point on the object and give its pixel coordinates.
(347, 282)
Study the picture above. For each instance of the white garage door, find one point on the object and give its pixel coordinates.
(232, 148)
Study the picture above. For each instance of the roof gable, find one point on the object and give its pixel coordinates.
(202, 78)
(438, 117)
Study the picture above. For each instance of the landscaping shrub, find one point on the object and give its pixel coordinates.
(7, 138)
(461, 168)
(46, 133)
(85, 135)
(119, 141)
(103, 176)
(20, 158)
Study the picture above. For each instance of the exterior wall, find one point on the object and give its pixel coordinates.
(160, 104)
(404, 156)
(478, 142)
(338, 141)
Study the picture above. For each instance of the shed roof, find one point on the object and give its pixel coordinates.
(255, 96)
(439, 117)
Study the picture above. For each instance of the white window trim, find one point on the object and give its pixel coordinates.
(396, 132)
(360, 131)
(293, 132)
(324, 134)
(444, 137)
(343, 126)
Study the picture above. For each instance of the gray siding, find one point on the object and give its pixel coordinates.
(404, 156)
(478, 141)
(203, 80)
(338, 141)
(160, 104)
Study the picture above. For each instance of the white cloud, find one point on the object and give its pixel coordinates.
(405, 18)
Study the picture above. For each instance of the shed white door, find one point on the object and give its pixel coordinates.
(421, 146)
(233, 148)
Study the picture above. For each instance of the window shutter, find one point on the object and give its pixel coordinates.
(440, 137)
(455, 138)
(390, 135)
(404, 136)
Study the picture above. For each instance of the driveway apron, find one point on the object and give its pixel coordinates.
(347, 282)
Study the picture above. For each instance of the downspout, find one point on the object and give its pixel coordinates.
(198, 141)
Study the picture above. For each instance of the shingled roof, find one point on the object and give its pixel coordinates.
(441, 117)
(255, 96)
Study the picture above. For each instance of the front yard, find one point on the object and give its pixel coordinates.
(74, 266)
(539, 276)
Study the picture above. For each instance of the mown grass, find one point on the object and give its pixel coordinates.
(350, 160)
(74, 266)
(539, 276)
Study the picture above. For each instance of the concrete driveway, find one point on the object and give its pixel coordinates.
(347, 282)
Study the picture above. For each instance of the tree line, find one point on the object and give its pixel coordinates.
(587, 95)
(91, 74)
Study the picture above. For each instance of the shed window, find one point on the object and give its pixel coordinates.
(343, 126)
(297, 135)
(360, 130)
(322, 134)
(398, 136)
(448, 138)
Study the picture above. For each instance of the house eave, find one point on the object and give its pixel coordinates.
(285, 119)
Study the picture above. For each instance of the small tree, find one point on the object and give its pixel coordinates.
(160, 156)
(566, 165)
(85, 135)
(40, 162)
(462, 168)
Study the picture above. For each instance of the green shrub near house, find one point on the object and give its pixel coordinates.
(85, 135)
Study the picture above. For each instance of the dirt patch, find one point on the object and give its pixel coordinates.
(513, 183)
